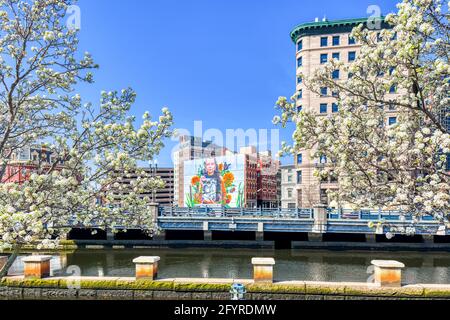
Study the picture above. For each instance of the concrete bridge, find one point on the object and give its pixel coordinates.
(315, 221)
(296, 228)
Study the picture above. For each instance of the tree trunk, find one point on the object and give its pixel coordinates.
(9, 263)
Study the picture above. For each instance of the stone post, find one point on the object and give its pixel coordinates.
(154, 212)
(263, 270)
(146, 267)
(36, 267)
(371, 238)
(428, 239)
(320, 218)
(259, 235)
(207, 234)
(388, 273)
(109, 234)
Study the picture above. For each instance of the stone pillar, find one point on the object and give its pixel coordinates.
(314, 237)
(146, 267)
(320, 218)
(263, 270)
(428, 239)
(388, 273)
(371, 238)
(207, 235)
(36, 267)
(161, 236)
(154, 212)
(259, 236)
(109, 234)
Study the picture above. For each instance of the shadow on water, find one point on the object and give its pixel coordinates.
(308, 265)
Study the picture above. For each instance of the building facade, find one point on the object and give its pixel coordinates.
(27, 160)
(288, 187)
(191, 148)
(250, 177)
(165, 196)
(317, 43)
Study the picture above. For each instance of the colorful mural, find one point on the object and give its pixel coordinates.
(215, 181)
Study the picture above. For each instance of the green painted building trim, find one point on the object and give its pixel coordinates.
(326, 27)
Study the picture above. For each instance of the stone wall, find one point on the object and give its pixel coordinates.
(122, 289)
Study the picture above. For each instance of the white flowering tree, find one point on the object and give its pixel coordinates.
(94, 147)
(399, 166)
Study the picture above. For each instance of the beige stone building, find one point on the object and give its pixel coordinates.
(317, 43)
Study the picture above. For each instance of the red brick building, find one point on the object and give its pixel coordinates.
(25, 161)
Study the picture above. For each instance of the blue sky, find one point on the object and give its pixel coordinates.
(224, 62)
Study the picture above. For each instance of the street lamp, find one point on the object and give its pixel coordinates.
(153, 171)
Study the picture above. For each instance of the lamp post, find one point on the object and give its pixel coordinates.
(153, 171)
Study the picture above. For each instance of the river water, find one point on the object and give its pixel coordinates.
(307, 265)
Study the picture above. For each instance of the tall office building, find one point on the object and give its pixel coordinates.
(317, 43)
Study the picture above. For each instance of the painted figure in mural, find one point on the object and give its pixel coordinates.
(213, 187)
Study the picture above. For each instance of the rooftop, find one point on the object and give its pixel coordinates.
(325, 26)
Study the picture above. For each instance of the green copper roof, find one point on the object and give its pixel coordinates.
(321, 27)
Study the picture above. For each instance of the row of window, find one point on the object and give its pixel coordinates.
(337, 56)
(324, 57)
(324, 41)
(322, 159)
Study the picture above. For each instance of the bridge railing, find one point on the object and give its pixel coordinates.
(371, 215)
(237, 212)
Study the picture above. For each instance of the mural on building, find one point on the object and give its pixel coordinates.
(215, 181)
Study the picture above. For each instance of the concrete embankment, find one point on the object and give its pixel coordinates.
(113, 288)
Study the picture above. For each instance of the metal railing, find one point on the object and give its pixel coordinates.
(237, 212)
(371, 215)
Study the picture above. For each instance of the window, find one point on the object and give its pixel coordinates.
(323, 91)
(324, 41)
(300, 94)
(335, 74)
(392, 107)
(299, 177)
(300, 45)
(323, 159)
(336, 55)
(299, 158)
(334, 94)
(289, 178)
(299, 80)
(351, 56)
(392, 89)
(299, 62)
(350, 75)
(323, 58)
(289, 192)
(392, 120)
(299, 108)
(334, 108)
(336, 40)
(323, 108)
(291, 205)
(351, 40)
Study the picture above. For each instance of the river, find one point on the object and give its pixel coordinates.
(308, 265)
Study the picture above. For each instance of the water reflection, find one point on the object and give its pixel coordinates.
(421, 267)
